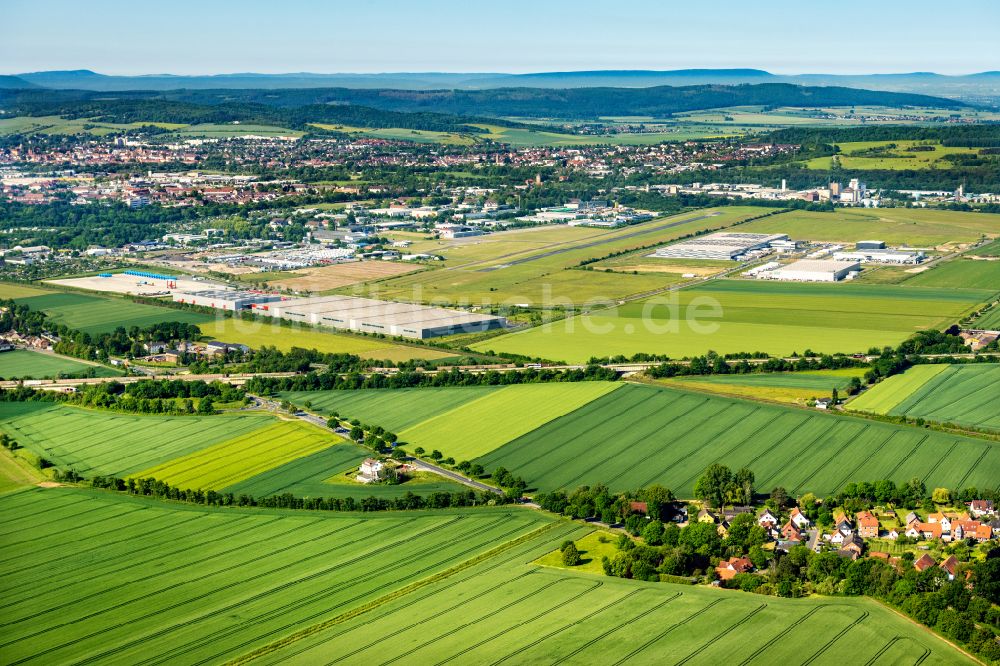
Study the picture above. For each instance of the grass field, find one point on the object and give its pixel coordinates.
(480, 426)
(101, 443)
(24, 364)
(640, 435)
(746, 316)
(510, 610)
(537, 266)
(325, 278)
(15, 473)
(58, 125)
(213, 131)
(88, 576)
(257, 334)
(962, 394)
(10, 290)
(329, 473)
(242, 457)
(394, 410)
(95, 315)
(915, 227)
(990, 320)
(793, 387)
(960, 274)
(988, 250)
(891, 159)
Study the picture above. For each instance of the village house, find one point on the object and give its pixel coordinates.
(852, 547)
(949, 566)
(868, 525)
(370, 471)
(728, 569)
(980, 508)
(790, 532)
(799, 519)
(767, 520)
(924, 563)
(942, 520)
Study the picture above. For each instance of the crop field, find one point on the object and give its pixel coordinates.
(988, 250)
(508, 610)
(242, 457)
(402, 134)
(314, 476)
(960, 274)
(533, 266)
(16, 473)
(990, 320)
(102, 443)
(641, 435)
(9, 290)
(794, 387)
(24, 364)
(480, 426)
(58, 125)
(890, 155)
(89, 576)
(393, 409)
(746, 316)
(257, 334)
(223, 131)
(914, 227)
(95, 315)
(962, 394)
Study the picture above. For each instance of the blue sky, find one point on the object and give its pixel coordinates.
(783, 36)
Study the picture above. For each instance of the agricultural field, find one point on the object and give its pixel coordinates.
(538, 266)
(890, 156)
(639, 435)
(746, 316)
(330, 473)
(960, 273)
(257, 334)
(12, 290)
(107, 443)
(480, 426)
(16, 473)
(24, 364)
(792, 387)
(57, 125)
(510, 609)
(395, 409)
(242, 457)
(989, 250)
(229, 130)
(962, 394)
(911, 227)
(95, 315)
(402, 134)
(990, 320)
(101, 577)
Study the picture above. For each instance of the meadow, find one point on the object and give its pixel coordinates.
(95, 315)
(746, 316)
(890, 156)
(537, 267)
(913, 227)
(962, 394)
(480, 426)
(25, 364)
(257, 334)
(242, 457)
(960, 273)
(57, 125)
(91, 576)
(108, 443)
(329, 473)
(12, 290)
(792, 387)
(640, 435)
(509, 610)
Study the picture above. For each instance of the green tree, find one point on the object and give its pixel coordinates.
(712, 485)
(570, 555)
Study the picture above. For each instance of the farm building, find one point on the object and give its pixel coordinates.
(723, 246)
(371, 316)
(224, 299)
(813, 270)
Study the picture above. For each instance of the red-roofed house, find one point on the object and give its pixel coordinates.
(949, 566)
(734, 565)
(924, 563)
(867, 525)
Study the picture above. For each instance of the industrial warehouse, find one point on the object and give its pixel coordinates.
(348, 312)
(812, 270)
(723, 246)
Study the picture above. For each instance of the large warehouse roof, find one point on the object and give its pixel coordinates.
(722, 245)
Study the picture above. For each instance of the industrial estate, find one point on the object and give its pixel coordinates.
(607, 367)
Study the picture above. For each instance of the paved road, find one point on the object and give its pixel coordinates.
(454, 476)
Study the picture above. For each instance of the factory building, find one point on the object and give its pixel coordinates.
(372, 316)
(224, 299)
(813, 270)
(724, 246)
(870, 245)
(880, 256)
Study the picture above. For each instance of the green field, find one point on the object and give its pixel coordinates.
(228, 130)
(394, 410)
(24, 364)
(509, 610)
(89, 576)
(960, 274)
(14, 290)
(242, 457)
(961, 394)
(915, 227)
(989, 321)
(312, 476)
(102, 443)
(794, 387)
(988, 250)
(95, 314)
(58, 125)
(257, 334)
(747, 316)
(641, 435)
(855, 155)
(16, 473)
(537, 266)
(480, 426)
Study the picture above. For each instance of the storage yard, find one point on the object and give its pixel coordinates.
(136, 283)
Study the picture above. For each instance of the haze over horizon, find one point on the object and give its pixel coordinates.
(110, 37)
